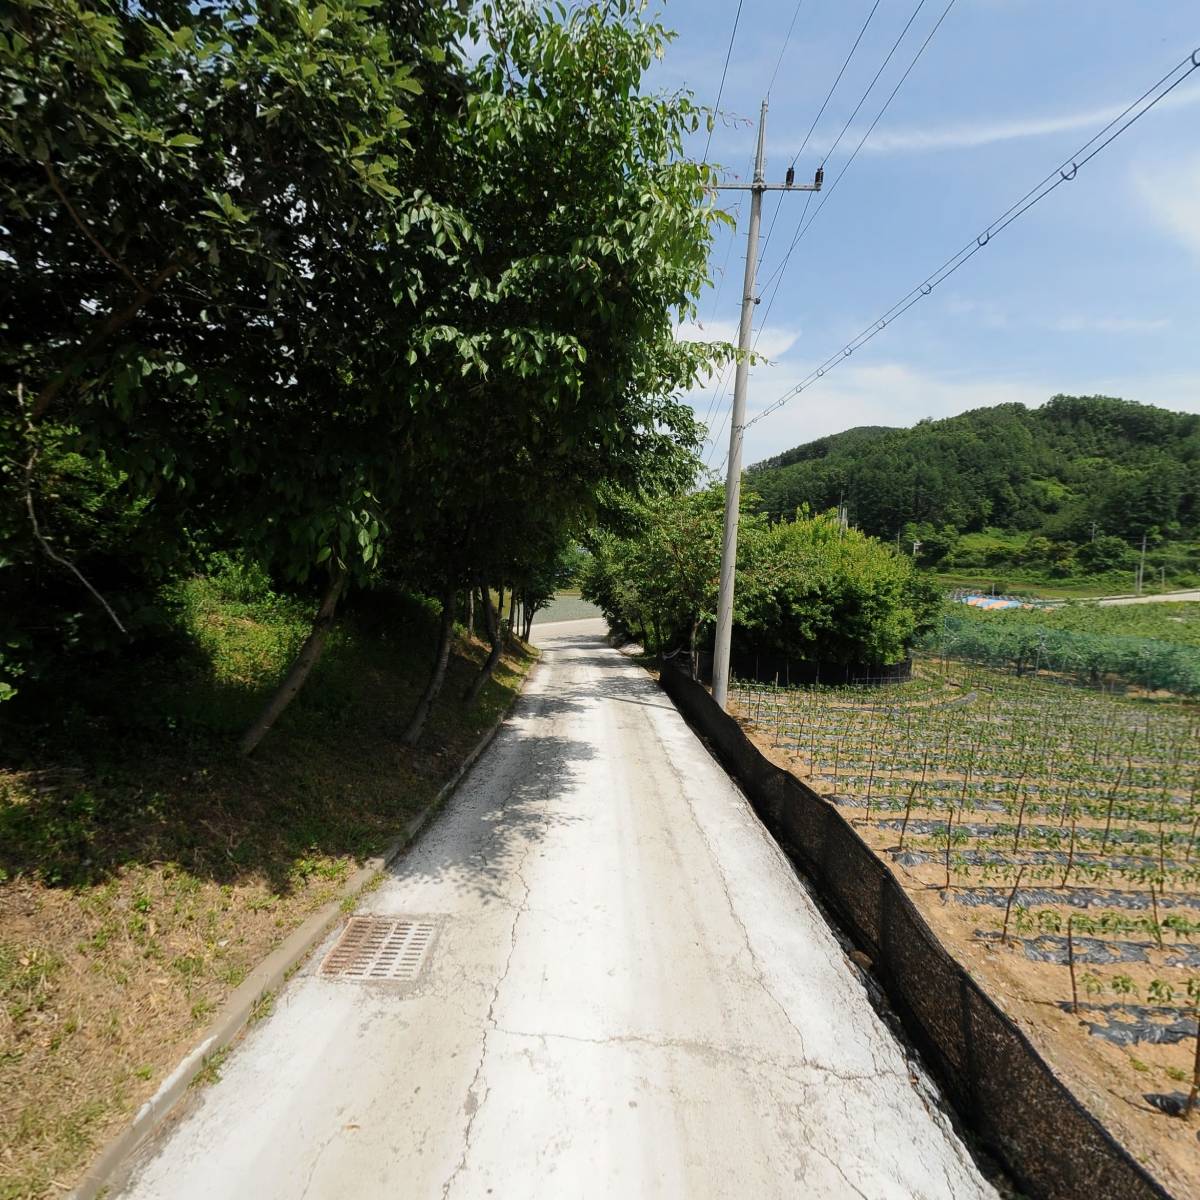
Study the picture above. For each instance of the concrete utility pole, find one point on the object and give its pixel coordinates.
(733, 479)
(1141, 575)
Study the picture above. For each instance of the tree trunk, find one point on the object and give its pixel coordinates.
(471, 614)
(495, 633)
(416, 724)
(695, 655)
(305, 661)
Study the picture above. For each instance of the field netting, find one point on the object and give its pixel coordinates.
(1001, 1086)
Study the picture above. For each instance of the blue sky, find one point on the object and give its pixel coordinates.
(1094, 290)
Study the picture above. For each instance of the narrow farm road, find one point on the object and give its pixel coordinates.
(626, 993)
(1155, 599)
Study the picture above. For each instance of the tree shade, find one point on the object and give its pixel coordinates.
(314, 287)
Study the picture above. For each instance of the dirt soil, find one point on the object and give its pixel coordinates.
(1113, 1081)
(134, 898)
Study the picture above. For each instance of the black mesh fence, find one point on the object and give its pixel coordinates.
(1002, 1087)
(795, 672)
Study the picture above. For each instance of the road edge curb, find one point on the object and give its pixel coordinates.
(107, 1168)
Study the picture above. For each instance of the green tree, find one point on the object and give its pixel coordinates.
(308, 284)
(662, 581)
(1105, 553)
(215, 221)
(830, 594)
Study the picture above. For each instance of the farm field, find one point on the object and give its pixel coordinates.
(1049, 833)
(566, 606)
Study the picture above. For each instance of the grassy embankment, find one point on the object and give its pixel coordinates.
(1169, 621)
(1008, 584)
(567, 605)
(145, 868)
(1011, 578)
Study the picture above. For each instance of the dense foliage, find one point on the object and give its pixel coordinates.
(831, 594)
(806, 589)
(319, 289)
(1167, 621)
(1085, 645)
(1068, 488)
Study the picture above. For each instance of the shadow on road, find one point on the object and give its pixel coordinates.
(534, 778)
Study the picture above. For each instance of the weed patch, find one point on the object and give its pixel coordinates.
(145, 869)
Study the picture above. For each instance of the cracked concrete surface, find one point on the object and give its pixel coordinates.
(630, 994)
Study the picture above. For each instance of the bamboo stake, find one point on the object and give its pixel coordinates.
(1008, 907)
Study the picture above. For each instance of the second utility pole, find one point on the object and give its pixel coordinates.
(733, 479)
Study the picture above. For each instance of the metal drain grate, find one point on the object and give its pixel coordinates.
(379, 948)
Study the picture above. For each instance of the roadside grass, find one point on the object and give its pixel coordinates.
(1176, 621)
(1010, 582)
(145, 868)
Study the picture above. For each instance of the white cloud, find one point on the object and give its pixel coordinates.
(983, 133)
(886, 393)
(771, 341)
(1171, 193)
(1082, 324)
(987, 313)
(990, 315)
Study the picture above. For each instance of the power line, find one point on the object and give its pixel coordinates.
(838, 80)
(783, 48)
(1064, 173)
(737, 16)
(801, 227)
(820, 113)
(871, 86)
(720, 391)
(715, 438)
(776, 276)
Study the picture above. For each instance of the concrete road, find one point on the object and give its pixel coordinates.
(628, 994)
(1169, 597)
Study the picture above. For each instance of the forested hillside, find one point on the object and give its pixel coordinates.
(1067, 488)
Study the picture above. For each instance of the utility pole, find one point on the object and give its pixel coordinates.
(737, 422)
(1141, 575)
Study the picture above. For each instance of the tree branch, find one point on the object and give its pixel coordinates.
(112, 323)
(56, 184)
(49, 550)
